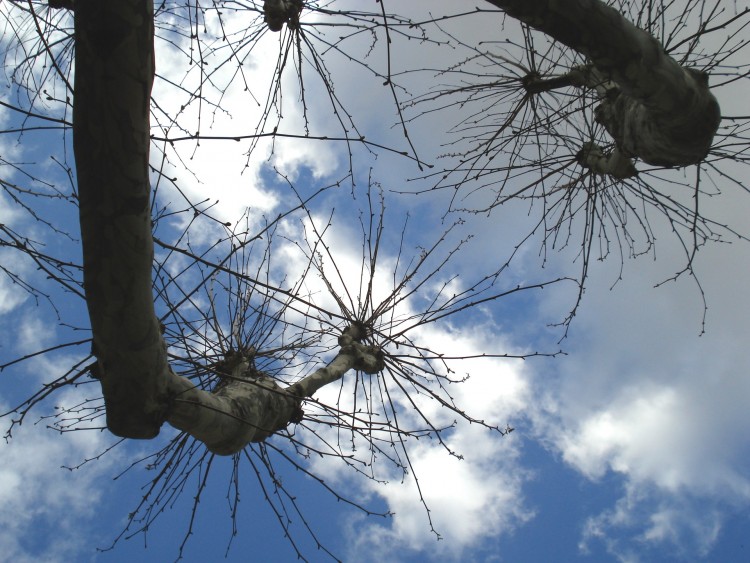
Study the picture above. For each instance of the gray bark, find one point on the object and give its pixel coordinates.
(114, 66)
(664, 114)
(248, 408)
(114, 69)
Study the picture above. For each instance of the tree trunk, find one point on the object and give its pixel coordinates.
(664, 114)
(114, 69)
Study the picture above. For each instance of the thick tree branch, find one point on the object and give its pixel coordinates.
(352, 355)
(250, 407)
(113, 76)
(664, 114)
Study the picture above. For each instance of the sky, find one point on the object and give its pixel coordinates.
(629, 446)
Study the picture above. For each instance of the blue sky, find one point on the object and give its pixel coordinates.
(632, 446)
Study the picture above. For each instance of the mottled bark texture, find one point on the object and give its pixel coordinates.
(664, 114)
(114, 69)
(249, 407)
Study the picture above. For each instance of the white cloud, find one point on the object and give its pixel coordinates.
(48, 510)
(221, 170)
(11, 294)
(666, 437)
(468, 499)
(643, 395)
(644, 518)
(34, 333)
